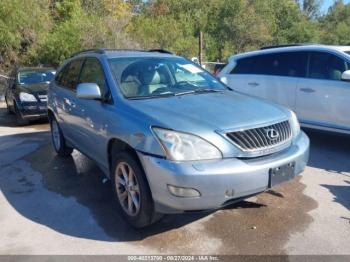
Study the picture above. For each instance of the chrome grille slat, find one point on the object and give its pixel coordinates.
(256, 139)
(237, 140)
(252, 139)
(242, 135)
(261, 133)
(281, 132)
(43, 98)
(257, 136)
(285, 125)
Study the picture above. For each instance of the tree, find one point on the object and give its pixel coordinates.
(336, 24)
(291, 25)
(82, 25)
(311, 8)
(22, 31)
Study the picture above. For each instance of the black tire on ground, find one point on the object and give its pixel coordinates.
(146, 214)
(20, 120)
(8, 109)
(58, 141)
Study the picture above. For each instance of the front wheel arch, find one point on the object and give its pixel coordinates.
(115, 146)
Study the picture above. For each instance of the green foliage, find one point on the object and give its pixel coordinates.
(47, 31)
(336, 25)
(21, 31)
(83, 25)
(228, 26)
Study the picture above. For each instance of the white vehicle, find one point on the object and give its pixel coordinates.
(312, 80)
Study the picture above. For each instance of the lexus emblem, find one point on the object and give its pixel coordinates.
(272, 133)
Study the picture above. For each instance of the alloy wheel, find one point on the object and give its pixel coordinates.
(127, 188)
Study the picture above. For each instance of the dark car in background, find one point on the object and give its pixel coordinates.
(26, 95)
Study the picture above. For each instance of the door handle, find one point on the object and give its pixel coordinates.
(307, 90)
(253, 84)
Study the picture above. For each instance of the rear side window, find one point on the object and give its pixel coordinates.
(70, 75)
(58, 78)
(292, 64)
(326, 66)
(245, 66)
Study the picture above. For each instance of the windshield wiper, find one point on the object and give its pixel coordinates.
(207, 90)
(198, 91)
(165, 94)
(168, 93)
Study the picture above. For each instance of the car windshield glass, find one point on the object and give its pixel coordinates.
(30, 77)
(144, 77)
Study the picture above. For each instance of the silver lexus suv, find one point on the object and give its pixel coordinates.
(168, 134)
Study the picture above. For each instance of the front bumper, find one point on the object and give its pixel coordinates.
(213, 179)
(33, 110)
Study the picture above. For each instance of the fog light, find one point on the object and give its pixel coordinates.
(183, 191)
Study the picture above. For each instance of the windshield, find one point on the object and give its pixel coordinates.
(34, 77)
(142, 77)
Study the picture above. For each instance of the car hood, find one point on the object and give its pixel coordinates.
(34, 88)
(217, 111)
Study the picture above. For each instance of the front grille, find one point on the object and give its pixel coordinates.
(263, 137)
(43, 98)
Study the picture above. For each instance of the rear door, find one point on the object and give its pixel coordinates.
(323, 99)
(66, 83)
(270, 76)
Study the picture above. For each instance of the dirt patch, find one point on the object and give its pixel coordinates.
(266, 229)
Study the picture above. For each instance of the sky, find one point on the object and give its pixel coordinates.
(328, 3)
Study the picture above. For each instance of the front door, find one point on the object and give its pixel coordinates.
(323, 98)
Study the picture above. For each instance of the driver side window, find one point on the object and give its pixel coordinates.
(326, 66)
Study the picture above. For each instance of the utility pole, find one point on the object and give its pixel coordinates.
(200, 54)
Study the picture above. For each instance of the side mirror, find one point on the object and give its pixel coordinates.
(346, 76)
(89, 91)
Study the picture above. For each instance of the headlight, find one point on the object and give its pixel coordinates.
(25, 97)
(294, 123)
(185, 147)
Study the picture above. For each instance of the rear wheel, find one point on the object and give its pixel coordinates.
(58, 140)
(132, 192)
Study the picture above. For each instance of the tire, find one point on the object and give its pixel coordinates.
(130, 191)
(20, 120)
(58, 141)
(8, 109)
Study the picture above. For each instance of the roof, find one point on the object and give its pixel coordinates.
(293, 48)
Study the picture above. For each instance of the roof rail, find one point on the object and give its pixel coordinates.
(104, 50)
(99, 51)
(137, 50)
(160, 51)
(287, 45)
